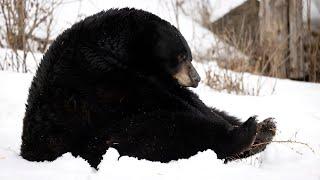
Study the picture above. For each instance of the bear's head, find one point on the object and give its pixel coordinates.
(161, 51)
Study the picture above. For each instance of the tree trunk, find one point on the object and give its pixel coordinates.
(296, 68)
(21, 37)
(274, 33)
(20, 9)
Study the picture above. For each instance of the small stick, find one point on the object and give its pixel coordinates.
(285, 141)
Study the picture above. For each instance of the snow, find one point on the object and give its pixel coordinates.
(67, 15)
(9, 59)
(294, 105)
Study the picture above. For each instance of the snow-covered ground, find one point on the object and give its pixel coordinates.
(295, 105)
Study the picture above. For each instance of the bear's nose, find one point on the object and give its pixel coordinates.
(194, 76)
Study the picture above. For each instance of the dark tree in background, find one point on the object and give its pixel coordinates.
(25, 26)
(281, 31)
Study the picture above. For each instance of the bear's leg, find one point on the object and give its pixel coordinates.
(231, 119)
(211, 113)
(164, 136)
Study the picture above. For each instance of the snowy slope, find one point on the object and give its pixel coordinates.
(295, 106)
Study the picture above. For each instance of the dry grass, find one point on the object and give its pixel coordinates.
(233, 64)
(244, 38)
(257, 61)
(21, 22)
(312, 56)
(229, 81)
(287, 142)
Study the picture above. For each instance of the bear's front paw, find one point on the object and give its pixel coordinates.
(241, 138)
(266, 130)
(245, 135)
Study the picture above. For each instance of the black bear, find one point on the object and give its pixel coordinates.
(118, 79)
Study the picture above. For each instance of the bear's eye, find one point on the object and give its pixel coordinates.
(181, 58)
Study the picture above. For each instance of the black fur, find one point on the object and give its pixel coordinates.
(107, 82)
